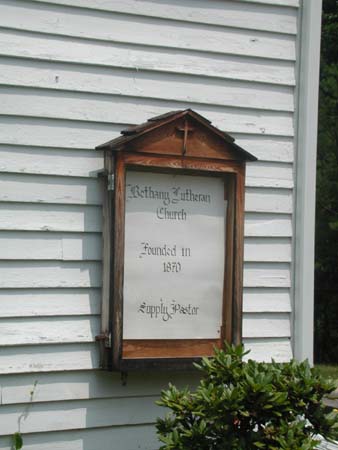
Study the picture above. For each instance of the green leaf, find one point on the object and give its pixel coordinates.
(17, 441)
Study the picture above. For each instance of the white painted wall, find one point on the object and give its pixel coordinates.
(73, 73)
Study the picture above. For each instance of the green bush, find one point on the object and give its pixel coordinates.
(247, 405)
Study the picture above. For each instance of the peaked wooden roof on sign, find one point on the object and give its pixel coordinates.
(134, 132)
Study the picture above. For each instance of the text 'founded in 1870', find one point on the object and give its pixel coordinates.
(174, 256)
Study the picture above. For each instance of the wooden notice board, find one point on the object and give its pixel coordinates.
(173, 243)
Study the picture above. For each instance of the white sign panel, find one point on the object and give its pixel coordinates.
(174, 256)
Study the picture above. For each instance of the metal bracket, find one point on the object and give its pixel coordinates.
(106, 337)
(111, 182)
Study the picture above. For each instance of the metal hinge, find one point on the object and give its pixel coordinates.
(106, 337)
(111, 182)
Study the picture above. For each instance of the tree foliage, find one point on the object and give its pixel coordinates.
(326, 300)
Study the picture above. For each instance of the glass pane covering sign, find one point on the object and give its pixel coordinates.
(174, 256)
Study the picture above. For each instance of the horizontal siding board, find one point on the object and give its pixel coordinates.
(33, 274)
(44, 274)
(97, 108)
(50, 330)
(74, 415)
(268, 174)
(55, 133)
(87, 301)
(49, 302)
(266, 325)
(267, 348)
(143, 84)
(91, 54)
(264, 300)
(41, 189)
(72, 218)
(50, 246)
(87, 385)
(86, 135)
(268, 225)
(85, 246)
(87, 163)
(292, 3)
(49, 358)
(267, 275)
(267, 148)
(50, 161)
(114, 438)
(116, 28)
(268, 200)
(268, 249)
(233, 14)
(75, 218)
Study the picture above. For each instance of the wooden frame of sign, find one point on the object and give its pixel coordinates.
(161, 306)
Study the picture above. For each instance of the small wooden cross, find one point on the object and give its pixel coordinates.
(186, 130)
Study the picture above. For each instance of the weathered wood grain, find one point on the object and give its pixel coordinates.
(49, 358)
(266, 325)
(36, 103)
(268, 249)
(49, 302)
(145, 84)
(116, 28)
(266, 349)
(48, 330)
(44, 217)
(230, 13)
(92, 54)
(267, 275)
(33, 274)
(266, 300)
(41, 189)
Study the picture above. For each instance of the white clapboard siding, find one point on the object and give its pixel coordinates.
(93, 54)
(268, 249)
(41, 189)
(273, 225)
(48, 330)
(84, 385)
(51, 161)
(98, 108)
(117, 28)
(80, 414)
(266, 300)
(265, 349)
(267, 275)
(50, 302)
(87, 163)
(49, 358)
(266, 325)
(80, 246)
(113, 438)
(230, 13)
(268, 174)
(34, 274)
(146, 85)
(76, 218)
(55, 133)
(268, 200)
(87, 301)
(44, 217)
(53, 246)
(87, 135)
(292, 3)
(44, 274)
(267, 148)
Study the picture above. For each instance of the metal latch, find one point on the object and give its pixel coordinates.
(106, 337)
